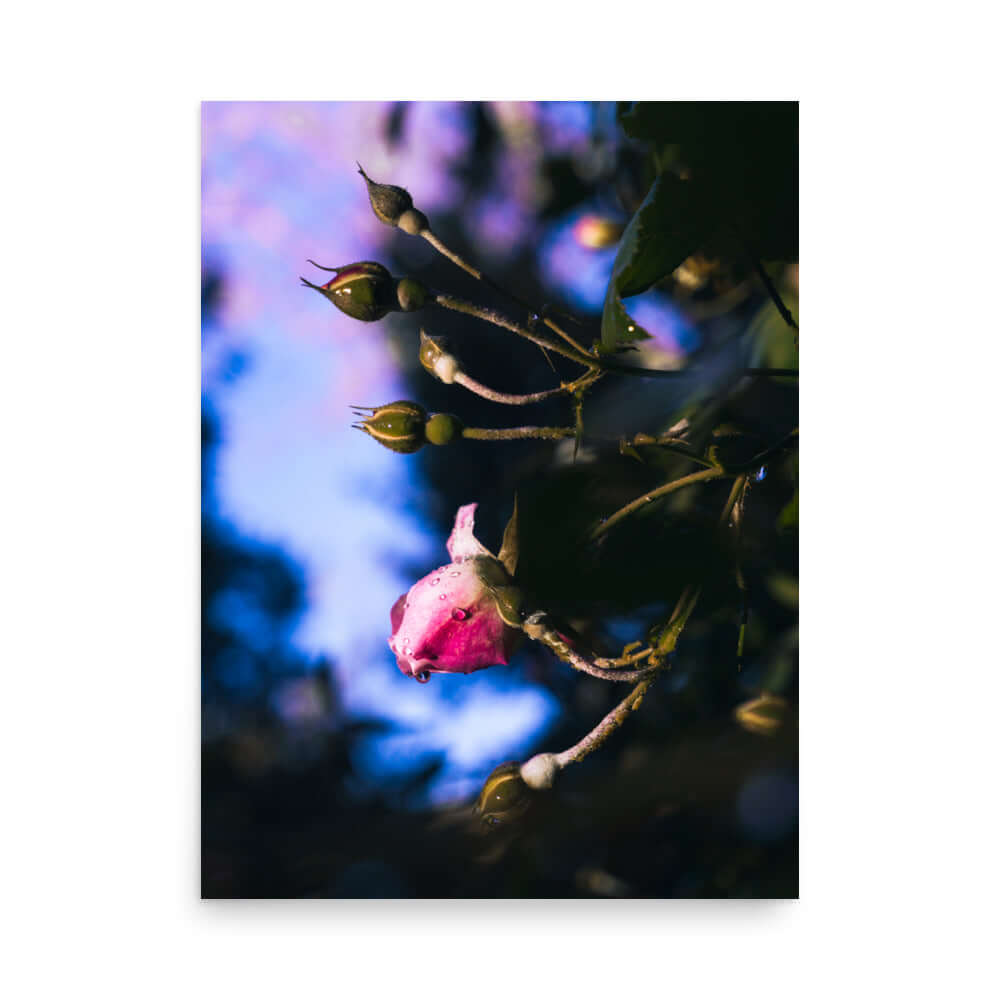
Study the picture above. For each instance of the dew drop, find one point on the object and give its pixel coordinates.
(435, 581)
(761, 474)
(459, 614)
(442, 597)
(454, 572)
(423, 677)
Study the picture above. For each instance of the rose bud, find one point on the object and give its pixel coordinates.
(394, 206)
(365, 291)
(399, 426)
(406, 427)
(460, 618)
(505, 796)
(436, 359)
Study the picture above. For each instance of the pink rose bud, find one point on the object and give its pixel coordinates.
(458, 618)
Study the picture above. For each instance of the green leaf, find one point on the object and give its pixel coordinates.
(617, 327)
(743, 156)
(661, 236)
(788, 519)
(667, 228)
(509, 546)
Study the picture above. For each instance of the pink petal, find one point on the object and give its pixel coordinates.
(462, 544)
(396, 614)
(449, 624)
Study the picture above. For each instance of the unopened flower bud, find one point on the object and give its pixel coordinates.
(505, 796)
(411, 294)
(399, 426)
(364, 291)
(442, 428)
(540, 772)
(436, 359)
(394, 206)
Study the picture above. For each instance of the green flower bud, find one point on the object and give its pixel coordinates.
(364, 291)
(436, 359)
(399, 426)
(394, 206)
(442, 428)
(410, 294)
(505, 796)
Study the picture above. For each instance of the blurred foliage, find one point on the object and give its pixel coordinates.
(726, 186)
(697, 794)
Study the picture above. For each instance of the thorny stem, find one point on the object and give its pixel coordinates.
(509, 398)
(665, 645)
(624, 661)
(600, 733)
(498, 319)
(551, 638)
(576, 353)
(516, 433)
(661, 491)
(486, 280)
(515, 399)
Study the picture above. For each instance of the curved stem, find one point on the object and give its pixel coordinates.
(600, 733)
(498, 319)
(509, 398)
(598, 736)
(661, 491)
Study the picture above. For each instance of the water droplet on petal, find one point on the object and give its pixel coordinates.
(459, 614)
(442, 597)
(454, 572)
(435, 581)
(423, 677)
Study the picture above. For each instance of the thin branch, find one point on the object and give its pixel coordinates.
(661, 491)
(516, 433)
(773, 292)
(612, 721)
(486, 280)
(508, 398)
(498, 319)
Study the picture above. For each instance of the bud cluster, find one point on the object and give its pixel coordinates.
(405, 427)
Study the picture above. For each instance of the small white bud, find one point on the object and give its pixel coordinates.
(540, 771)
(446, 368)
